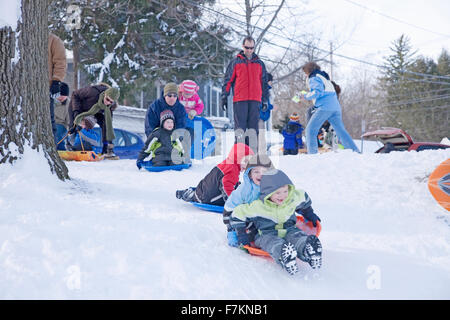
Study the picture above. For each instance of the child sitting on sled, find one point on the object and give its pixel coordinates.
(161, 147)
(189, 98)
(85, 137)
(217, 185)
(247, 192)
(274, 216)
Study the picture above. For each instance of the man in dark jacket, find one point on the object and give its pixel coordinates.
(83, 100)
(247, 75)
(169, 100)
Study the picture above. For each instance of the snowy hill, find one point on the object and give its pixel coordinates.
(114, 232)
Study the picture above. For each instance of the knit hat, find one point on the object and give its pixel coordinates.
(294, 117)
(259, 160)
(189, 86)
(64, 89)
(171, 87)
(89, 122)
(113, 93)
(164, 115)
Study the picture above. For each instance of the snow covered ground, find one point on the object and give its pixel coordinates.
(114, 232)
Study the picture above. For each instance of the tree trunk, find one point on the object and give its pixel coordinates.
(24, 104)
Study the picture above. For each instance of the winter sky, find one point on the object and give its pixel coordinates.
(365, 29)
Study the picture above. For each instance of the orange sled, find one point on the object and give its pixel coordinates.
(80, 156)
(307, 227)
(439, 184)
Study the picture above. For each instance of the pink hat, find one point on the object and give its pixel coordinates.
(188, 86)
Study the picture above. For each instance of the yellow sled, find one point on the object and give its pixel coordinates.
(80, 156)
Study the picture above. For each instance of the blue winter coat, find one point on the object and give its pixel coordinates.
(152, 118)
(322, 91)
(247, 192)
(292, 134)
(90, 136)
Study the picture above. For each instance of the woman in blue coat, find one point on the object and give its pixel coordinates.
(327, 107)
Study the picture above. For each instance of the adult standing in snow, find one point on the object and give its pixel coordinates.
(100, 101)
(327, 107)
(57, 67)
(246, 75)
(169, 100)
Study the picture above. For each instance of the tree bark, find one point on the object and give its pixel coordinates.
(24, 104)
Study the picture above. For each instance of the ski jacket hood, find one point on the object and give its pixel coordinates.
(273, 180)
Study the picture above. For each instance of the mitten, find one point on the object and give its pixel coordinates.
(242, 238)
(192, 114)
(224, 104)
(265, 107)
(74, 129)
(232, 238)
(139, 164)
(310, 216)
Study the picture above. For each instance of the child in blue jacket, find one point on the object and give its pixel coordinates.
(84, 138)
(292, 134)
(247, 192)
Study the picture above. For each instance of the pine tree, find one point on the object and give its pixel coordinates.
(415, 92)
(132, 44)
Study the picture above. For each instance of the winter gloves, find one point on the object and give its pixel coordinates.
(74, 129)
(192, 114)
(265, 107)
(309, 215)
(139, 164)
(224, 104)
(232, 238)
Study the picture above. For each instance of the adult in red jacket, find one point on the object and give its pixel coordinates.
(217, 185)
(246, 75)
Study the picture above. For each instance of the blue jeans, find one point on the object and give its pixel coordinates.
(335, 119)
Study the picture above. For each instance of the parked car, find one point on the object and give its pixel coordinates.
(395, 139)
(126, 144)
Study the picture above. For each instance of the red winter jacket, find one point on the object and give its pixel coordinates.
(248, 78)
(231, 166)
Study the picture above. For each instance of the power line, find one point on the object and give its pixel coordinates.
(312, 46)
(397, 20)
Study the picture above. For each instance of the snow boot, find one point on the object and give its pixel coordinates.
(110, 155)
(288, 255)
(313, 252)
(186, 194)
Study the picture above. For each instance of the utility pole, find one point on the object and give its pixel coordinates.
(331, 59)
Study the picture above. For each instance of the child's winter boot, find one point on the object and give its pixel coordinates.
(186, 194)
(288, 255)
(313, 252)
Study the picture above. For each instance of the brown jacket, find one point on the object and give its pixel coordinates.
(83, 99)
(57, 63)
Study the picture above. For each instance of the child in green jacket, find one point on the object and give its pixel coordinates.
(274, 215)
(161, 147)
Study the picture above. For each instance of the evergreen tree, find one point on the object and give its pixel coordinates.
(415, 92)
(132, 44)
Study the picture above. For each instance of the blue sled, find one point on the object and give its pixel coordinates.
(147, 165)
(203, 137)
(208, 207)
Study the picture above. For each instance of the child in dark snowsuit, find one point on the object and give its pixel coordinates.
(160, 144)
(274, 216)
(292, 134)
(217, 185)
